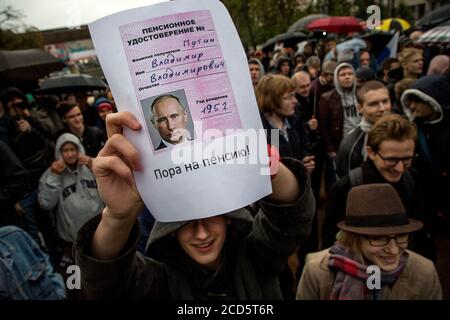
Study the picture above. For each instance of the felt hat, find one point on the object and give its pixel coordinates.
(376, 209)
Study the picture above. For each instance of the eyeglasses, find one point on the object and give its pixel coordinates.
(377, 241)
(392, 162)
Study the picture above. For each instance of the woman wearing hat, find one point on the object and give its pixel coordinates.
(376, 231)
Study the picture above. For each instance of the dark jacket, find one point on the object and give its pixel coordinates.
(253, 255)
(305, 107)
(298, 145)
(318, 89)
(433, 165)
(14, 184)
(349, 154)
(161, 146)
(34, 152)
(406, 189)
(331, 120)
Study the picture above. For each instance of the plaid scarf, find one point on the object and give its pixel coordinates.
(351, 276)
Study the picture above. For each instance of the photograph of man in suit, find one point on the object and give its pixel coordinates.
(170, 118)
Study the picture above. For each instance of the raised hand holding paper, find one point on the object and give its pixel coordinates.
(180, 68)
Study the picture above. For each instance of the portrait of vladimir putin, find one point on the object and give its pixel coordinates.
(170, 118)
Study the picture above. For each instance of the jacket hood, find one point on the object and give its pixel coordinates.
(432, 89)
(64, 138)
(337, 85)
(262, 72)
(163, 229)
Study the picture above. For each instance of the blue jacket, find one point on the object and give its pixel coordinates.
(25, 271)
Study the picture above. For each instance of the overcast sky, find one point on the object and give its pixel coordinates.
(49, 14)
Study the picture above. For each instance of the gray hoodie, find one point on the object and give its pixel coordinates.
(348, 101)
(261, 67)
(73, 192)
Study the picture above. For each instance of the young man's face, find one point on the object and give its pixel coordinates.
(346, 77)
(170, 120)
(386, 256)
(415, 66)
(376, 103)
(254, 72)
(420, 109)
(392, 158)
(69, 153)
(74, 119)
(203, 240)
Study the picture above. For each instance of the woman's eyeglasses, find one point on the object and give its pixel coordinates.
(382, 241)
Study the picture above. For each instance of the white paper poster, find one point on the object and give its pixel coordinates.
(180, 68)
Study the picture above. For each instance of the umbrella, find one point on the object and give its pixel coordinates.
(71, 83)
(434, 18)
(302, 23)
(437, 35)
(25, 65)
(290, 39)
(340, 24)
(356, 44)
(394, 24)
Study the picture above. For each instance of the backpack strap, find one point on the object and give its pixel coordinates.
(356, 177)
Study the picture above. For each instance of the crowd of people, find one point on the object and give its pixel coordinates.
(354, 120)
(363, 141)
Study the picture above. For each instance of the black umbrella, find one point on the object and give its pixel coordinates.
(434, 18)
(71, 83)
(25, 65)
(302, 23)
(289, 39)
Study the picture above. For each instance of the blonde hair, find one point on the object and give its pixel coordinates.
(270, 90)
(351, 241)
